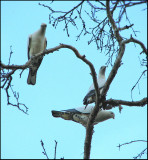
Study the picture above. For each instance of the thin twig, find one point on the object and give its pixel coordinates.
(55, 151)
(137, 83)
(130, 143)
(44, 151)
(140, 154)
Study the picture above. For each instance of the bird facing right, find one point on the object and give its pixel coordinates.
(81, 115)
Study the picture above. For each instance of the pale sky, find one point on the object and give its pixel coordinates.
(62, 82)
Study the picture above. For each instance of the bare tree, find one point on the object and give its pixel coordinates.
(106, 34)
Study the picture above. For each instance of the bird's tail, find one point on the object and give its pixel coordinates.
(85, 101)
(31, 77)
(33, 70)
(64, 115)
(56, 113)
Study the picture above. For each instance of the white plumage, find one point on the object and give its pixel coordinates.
(81, 115)
(37, 43)
(90, 96)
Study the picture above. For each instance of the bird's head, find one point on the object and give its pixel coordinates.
(112, 115)
(102, 70)
(43, 25)
(43, 28)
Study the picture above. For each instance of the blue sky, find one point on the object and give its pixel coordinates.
(62, 82)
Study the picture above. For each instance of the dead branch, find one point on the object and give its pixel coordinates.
(131, 142)
(114, 102)
(125, 27)
(130, 4)
(55, 151)
(44, 151)
(141, 153)
(6, 79)
(138, 42)
(137, 82)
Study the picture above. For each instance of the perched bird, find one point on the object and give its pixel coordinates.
(90, 96)
(81, 115)
(36, 43)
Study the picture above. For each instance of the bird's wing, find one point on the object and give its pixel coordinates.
(71, 110)
(80, 110)
(81, 115)
(45, 43)
(29, 43)
(91, 93)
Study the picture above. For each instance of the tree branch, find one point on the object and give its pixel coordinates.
(138, 42)
(72, 9)
(125, 27)
(55, 151)
(114, 102)
(140, 154)
(44, 151)
(130, 4)
(89, 129)
(131, 142)
(137, 82)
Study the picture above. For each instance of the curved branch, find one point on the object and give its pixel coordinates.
(138, 42)
(131, 142)
(114, 102)
(89, 129)
(28, 63)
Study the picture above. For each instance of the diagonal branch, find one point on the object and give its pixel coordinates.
(138, 42)
(137, 82)
(72, 9)
(44, 151)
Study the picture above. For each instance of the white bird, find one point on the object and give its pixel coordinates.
(81, 115)
(36, 43)
(90, 96)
